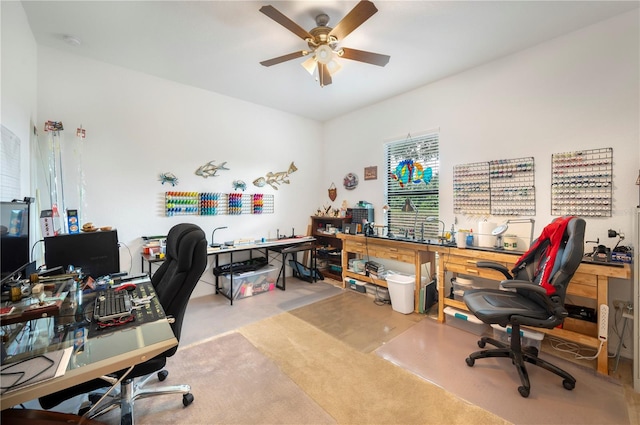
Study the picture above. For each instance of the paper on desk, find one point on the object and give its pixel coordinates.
(23, 373)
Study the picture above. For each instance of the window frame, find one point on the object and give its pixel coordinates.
(423, 153)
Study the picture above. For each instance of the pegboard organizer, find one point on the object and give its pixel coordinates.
(582, 183)
(500, 187)
(215, 203)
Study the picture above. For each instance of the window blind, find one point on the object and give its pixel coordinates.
(413, 173)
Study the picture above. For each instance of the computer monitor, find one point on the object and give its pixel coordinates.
(14, 238)
(97, 253)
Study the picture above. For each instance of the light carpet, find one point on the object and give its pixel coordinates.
(356, 320)
(355, 387)
(232, 383)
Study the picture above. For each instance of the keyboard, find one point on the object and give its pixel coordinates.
(112, 305)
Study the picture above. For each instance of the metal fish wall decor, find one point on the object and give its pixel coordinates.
(210, 169)
(276, 179)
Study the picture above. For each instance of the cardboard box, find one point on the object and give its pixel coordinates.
(48, 223)
(72, 221)
(622, 257)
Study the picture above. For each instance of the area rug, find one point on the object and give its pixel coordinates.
(232, 383)
(437, 352)
(354, 387)
(356, 320)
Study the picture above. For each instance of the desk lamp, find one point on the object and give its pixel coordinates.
(432, 219)
(502, 229)
(409, 206)
(215, 245)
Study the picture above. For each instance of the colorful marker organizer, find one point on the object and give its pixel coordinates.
(214, 203)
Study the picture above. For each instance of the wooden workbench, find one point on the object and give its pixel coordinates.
(590, 281)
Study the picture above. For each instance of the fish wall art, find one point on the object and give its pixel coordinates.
(276, 179)
(210, 169)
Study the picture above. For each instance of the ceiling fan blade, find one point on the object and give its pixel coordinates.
(324, 75)
(277, 16)
(362, 56)
(356, 17)
(284, 58)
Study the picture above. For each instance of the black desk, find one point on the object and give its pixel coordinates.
(106, 353)
(293, 250)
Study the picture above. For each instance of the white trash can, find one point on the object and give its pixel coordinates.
(401, 292)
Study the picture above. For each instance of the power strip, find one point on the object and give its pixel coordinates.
(603, 322)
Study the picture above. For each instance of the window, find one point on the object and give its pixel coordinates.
(413, 176)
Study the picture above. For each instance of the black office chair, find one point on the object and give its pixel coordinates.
(538, 299)
(174, 281)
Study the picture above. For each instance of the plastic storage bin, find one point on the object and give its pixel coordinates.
(250, 283)
(528, 338)
(465, 321)
(356, 285)
(401, 291)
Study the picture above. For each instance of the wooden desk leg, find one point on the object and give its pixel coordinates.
(441, 293)
(603, 357)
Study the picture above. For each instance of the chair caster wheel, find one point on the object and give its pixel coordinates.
(568, 385)
(481, 343)
(469, 361)
(162, 375)
(532, 351)
(524, 392)
(187, 399)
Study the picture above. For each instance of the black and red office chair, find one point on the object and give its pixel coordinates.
(535, 295)
(174, 281)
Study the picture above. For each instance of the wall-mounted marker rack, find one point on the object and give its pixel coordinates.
(215, 203)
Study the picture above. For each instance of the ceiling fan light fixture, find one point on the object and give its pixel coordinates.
(333, 66)
(310, 65)
(324, 54)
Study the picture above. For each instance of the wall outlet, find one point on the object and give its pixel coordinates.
(603, 322)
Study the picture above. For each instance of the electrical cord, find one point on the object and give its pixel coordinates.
(130, 256)
(573, 348)
(33, 247)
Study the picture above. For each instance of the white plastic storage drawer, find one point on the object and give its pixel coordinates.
(528, 338)
(465, 321)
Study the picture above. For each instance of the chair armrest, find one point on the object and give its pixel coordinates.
(495, 266)
(524, 285)
(553, 303)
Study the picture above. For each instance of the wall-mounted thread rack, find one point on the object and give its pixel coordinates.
(471, 189)
(512, 186)
(214, 203)
(500, 187)
(582, 183)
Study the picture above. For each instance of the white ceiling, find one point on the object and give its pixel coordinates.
(217, 45)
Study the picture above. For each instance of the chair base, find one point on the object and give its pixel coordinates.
(131, 390)
(519, 356)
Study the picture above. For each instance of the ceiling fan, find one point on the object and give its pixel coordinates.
(323, 42)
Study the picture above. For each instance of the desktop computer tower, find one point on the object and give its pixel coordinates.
(96, 253)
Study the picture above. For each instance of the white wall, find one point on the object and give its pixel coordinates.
(576, 92)
(18, 84)
(139, 126)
